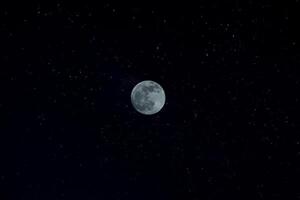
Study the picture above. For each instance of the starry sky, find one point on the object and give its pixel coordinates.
(228, 130)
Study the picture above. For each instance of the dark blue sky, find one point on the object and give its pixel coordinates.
(230, 71)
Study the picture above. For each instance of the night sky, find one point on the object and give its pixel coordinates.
(228, 130)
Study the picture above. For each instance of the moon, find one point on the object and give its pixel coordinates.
(148, 97)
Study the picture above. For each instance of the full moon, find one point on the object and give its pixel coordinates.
(148, 97)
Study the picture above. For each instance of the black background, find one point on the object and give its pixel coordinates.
(230, 71)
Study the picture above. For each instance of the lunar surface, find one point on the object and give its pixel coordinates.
(148, 97)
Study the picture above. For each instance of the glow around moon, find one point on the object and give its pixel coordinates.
(148, 97)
